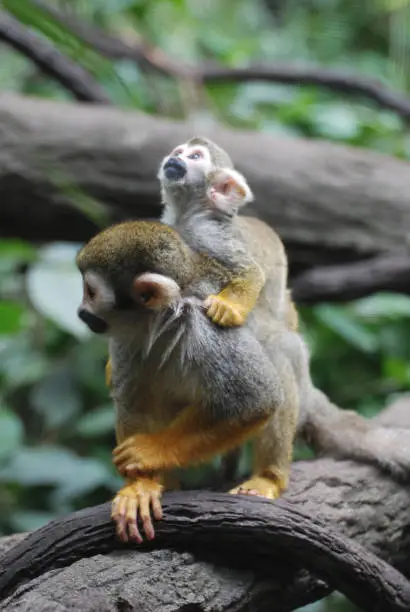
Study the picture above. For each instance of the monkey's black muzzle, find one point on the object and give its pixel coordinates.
(95, 324)
(175, 169)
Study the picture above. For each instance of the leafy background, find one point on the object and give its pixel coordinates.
(56, 420)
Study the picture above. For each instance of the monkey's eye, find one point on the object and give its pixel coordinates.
(195, 155)
(89, 291)
(145, 296)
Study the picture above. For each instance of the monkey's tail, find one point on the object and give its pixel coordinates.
(345, 434)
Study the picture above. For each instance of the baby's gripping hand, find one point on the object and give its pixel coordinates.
(224, 313)
(231, 307)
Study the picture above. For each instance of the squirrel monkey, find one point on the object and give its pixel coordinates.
(184, 389)
(202, 194)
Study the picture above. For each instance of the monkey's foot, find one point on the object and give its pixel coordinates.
(260, 486)
(135, 500)
(222, 312)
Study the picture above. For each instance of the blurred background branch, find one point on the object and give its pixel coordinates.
(148, 57)
(51, 61)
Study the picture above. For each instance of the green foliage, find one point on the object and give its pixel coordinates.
(56, 420)
(51, 404)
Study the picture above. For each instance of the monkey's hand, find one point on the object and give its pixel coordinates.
(222, 312)
(233, 304)
(136, 500)
(140, 453)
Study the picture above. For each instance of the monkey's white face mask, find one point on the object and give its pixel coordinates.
(186, 165)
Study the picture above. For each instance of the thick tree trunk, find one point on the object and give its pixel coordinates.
(329, 203)
(339, 520)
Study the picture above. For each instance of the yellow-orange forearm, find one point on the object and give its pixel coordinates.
(237, 299)
(243, 290)
(188, 440)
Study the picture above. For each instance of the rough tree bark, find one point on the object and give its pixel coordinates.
(221, 553)
(329, 203)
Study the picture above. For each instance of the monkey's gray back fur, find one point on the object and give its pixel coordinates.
(230, 368)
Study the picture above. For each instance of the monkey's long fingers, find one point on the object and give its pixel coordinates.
(242, 491)
(145, 514)
(231, 318)
(131, 519)
(222, 312)
(123, 448)
(118, 515)
(259, 486)
(156, 506)
(126, 459)
(212, 306)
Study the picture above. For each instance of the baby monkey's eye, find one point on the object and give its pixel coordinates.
(195, 155)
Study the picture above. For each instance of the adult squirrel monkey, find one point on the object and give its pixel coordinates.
(184, 388)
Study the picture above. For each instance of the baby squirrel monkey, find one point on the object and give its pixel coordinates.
(184, 389)
(202, 194)
(227, 192)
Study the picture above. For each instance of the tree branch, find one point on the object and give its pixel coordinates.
(352, 281)
(245, 553)
(312, 75)
(51, 61)
(329, 203)
(148, 56)
(259, 530)
(263, 543)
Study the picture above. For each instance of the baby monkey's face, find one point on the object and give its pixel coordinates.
(186, 165)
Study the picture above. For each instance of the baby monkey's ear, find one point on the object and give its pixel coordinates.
(155, 291)
(229, 191)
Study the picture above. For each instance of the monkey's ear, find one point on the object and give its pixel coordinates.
(232, 184)
(155, 291)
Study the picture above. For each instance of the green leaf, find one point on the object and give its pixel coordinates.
(347, 328)
(20, 364)
(92, 474)
(99, 422)
(397, 370)
(11, 317)
(53, 466)
(55, 287)
(57, 398)
(383, 306)
(63, 38)
(11, 432)
(17, 250)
